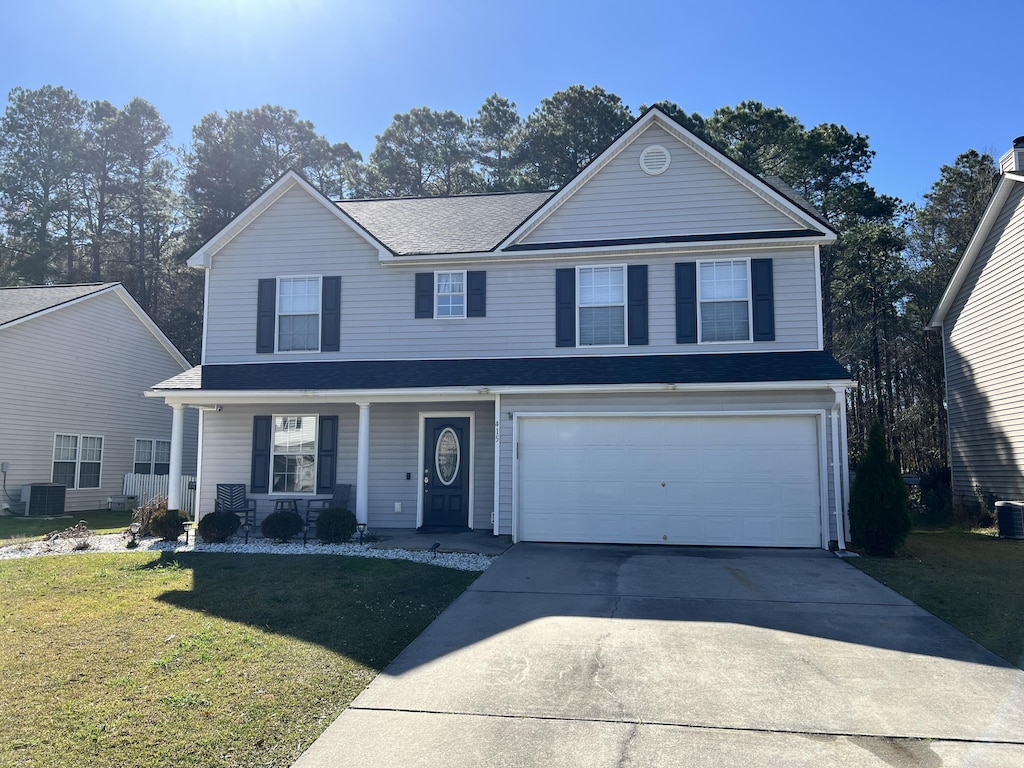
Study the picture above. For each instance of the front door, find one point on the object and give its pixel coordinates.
(446, 472)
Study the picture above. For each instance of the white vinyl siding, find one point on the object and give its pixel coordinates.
(82, 369)
(77, 460)
(449, 294)
(601, 306)
(693, 197)
(377, 301)
(983, 340)
(723, 290)
(298, 314)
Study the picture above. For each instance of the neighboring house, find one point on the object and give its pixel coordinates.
(634, 358)
(981, 315)
(76, 360)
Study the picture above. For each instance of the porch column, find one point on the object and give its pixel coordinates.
(177, 440)
(363, 462)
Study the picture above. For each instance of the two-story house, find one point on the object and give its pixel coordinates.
(635, 358)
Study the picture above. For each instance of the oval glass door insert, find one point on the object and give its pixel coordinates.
(447, 456)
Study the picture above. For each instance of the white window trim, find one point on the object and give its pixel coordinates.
(319, 315)
(316, 452)
(465, 294)
(152, 461)
(78, 458)
(625, 313)
(749, 300)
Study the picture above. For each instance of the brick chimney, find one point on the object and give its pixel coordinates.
(1014, 159)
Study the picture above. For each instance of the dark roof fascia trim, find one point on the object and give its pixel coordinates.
(727, 237)
(625, 370)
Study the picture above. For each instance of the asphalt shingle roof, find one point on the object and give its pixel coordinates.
(17, 303)
(516, 372)
(467, 224)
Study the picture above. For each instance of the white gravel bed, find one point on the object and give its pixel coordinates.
(116, 542)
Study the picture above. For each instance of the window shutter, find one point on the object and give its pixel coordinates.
(424, 294)
(330, 314)
(763, 299)
(266, 310)
(327, 454)
(476, 294)
(565, 307)
(636, 303)
(259, 481)
(686, 303)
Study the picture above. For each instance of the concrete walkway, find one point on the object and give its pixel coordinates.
(563, 655)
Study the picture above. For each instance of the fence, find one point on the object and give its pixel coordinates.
(147, 487)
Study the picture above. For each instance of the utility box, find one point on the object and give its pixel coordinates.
(43, 499)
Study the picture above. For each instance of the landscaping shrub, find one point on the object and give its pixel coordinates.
(879, 502)
(218, 527)
(281, 525)
(168, 524)
(144, 513)
(335, 526)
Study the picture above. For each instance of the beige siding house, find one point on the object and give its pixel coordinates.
(633, 358)
(981, 316)
(75, 361)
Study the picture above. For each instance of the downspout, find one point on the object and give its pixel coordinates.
(838, 468)
(495, 515)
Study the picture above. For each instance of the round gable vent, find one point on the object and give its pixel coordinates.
(655, 160)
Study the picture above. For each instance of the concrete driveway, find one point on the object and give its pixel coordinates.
(565, 655)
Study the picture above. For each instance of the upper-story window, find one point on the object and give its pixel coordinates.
(601, 306)
(724, 290)
(298, 314)
(450, 294)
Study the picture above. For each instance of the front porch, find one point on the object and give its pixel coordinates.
(297, 450)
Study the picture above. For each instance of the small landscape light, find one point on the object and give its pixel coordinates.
(361, 527)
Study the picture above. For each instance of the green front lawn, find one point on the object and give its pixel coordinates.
(196, 659)
(98, 520)
(972, 581)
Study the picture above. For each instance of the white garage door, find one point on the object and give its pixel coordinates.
(719, 480)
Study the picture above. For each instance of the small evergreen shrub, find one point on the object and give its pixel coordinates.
(335, 526)
(168, 524)
(937, 496)
(281, 525)
(218, 527)
(879, 502)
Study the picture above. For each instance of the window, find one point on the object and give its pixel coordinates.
(293, 454)
(77, 460)
(601, 306)
(450, 294)
(724, 301)
(298, 314)
(152, 457)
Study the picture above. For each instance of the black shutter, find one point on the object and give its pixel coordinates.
(266, 309)
(476, 294)
(259, 481)
(763, 299)
(330, 315)
(327, 454)
(636, 303)
(424, 294)
(686, 303)
(565, 307)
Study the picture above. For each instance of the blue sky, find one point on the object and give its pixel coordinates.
(925, 81)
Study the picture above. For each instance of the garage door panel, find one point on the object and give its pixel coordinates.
(719, 480)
